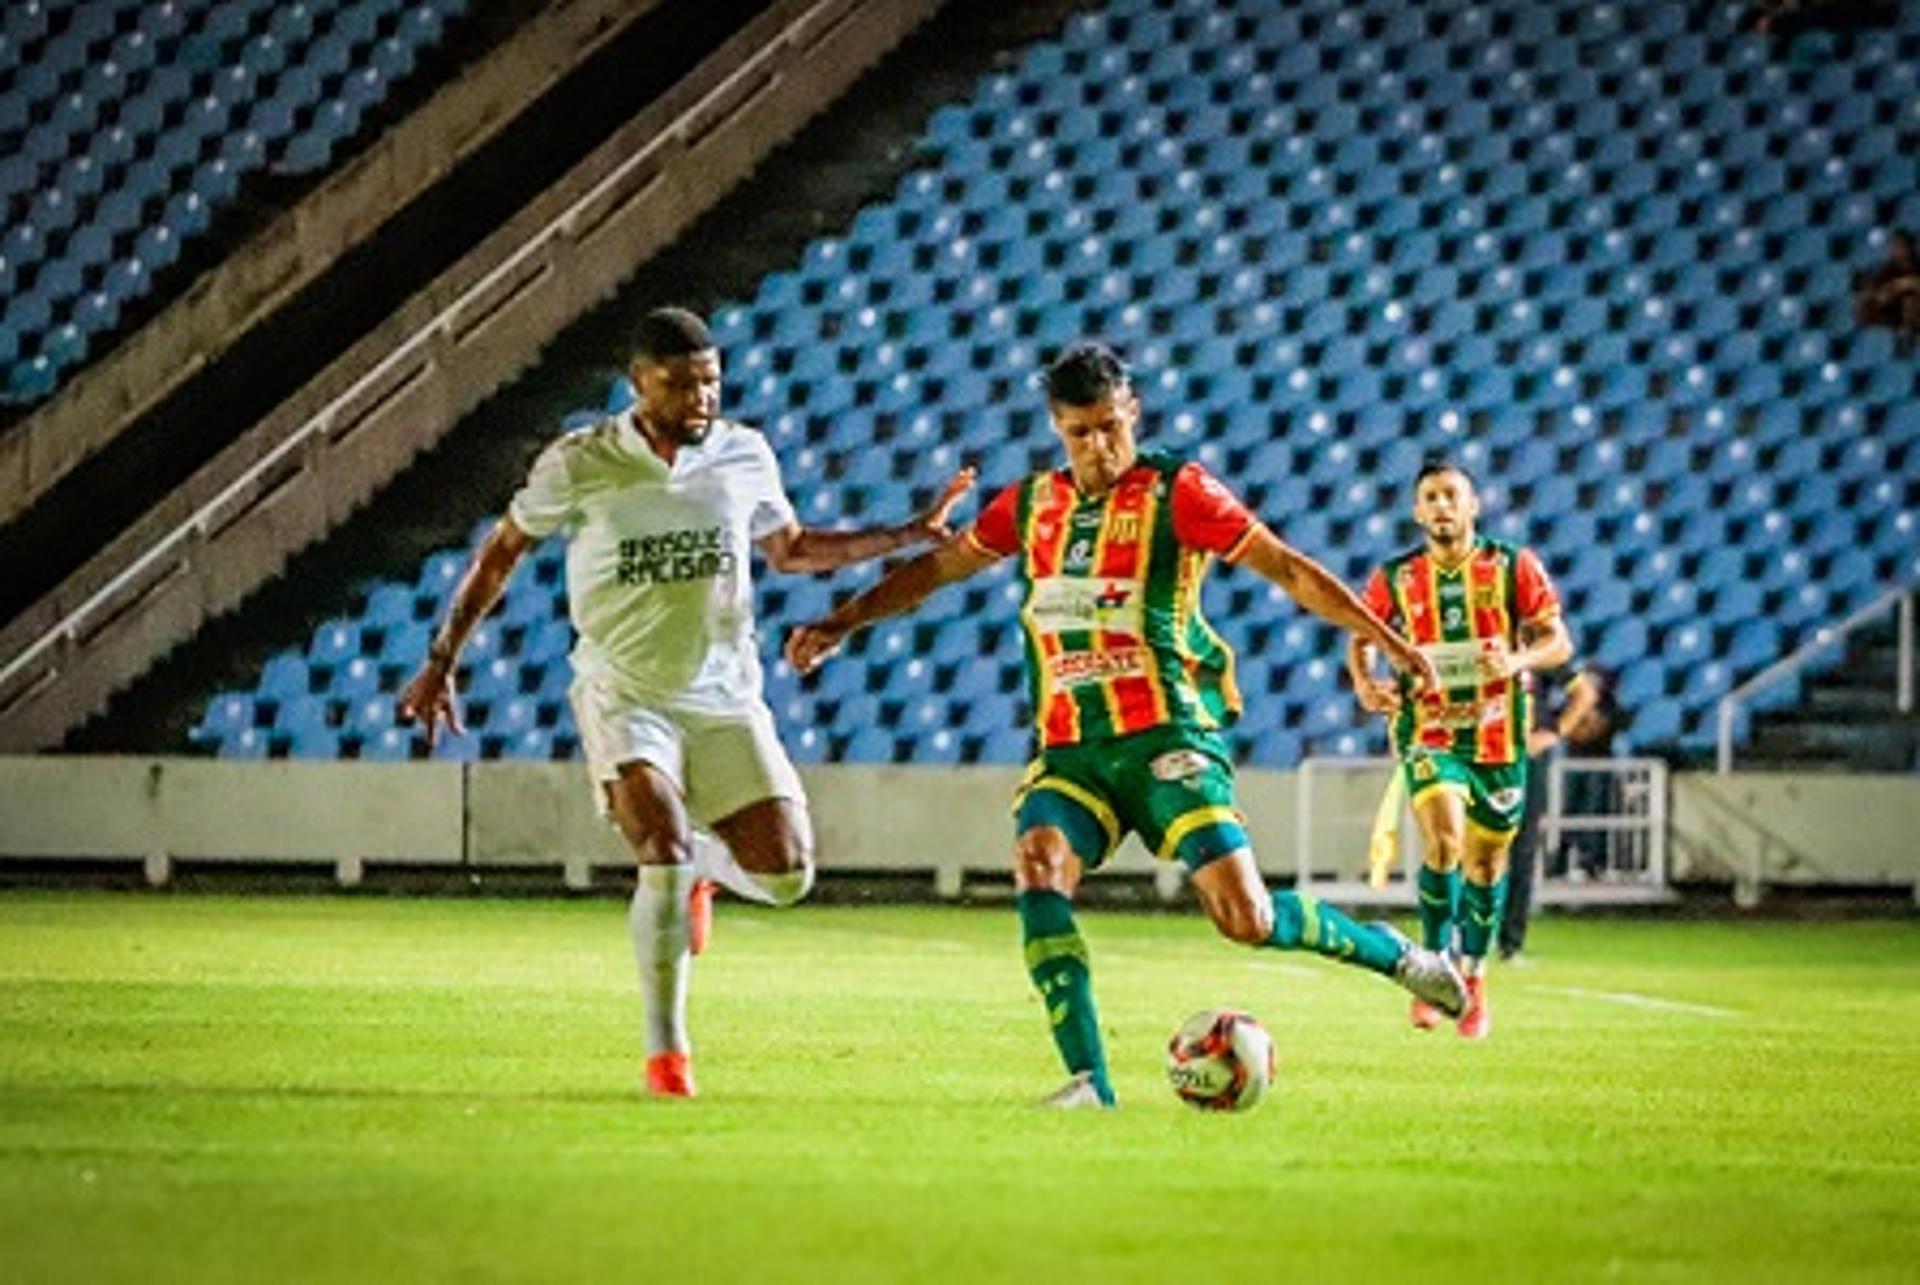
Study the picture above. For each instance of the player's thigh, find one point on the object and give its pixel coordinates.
(1440, 810)
(634, 758)
(1495, 811)
(645, 803)
(1063, 824)
(1178, 794)
(737, 767)
(1235, 897)
(770, 837)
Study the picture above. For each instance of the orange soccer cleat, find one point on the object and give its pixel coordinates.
(670, 1075)
(1425, 1016)
(1477, 1021)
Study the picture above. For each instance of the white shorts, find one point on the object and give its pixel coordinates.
(720, 762)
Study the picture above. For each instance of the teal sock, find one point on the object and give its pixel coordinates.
(1057, 962)
(1301, 922)
(1481, 907)
(1439, 906)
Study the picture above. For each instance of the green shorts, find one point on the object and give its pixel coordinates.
(1173, 786)
(1495, 793)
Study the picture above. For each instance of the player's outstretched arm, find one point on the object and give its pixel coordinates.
(899, 591)
(809, 549)
(1321, 592)
(430, 696)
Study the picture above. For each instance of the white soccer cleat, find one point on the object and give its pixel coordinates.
(1074, 1094)
(1429, 975)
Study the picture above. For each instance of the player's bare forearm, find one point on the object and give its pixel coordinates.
(480, 588)
(1317, 590)
(429, 698)
(811, 550)
(1582, 699)
(1360, 658)
(808, 549)
(899, 591)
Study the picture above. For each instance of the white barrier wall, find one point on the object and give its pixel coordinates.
(1747, 828)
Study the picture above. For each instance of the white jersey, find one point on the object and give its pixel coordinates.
(659, 558)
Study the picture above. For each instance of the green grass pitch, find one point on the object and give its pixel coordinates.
(213, 1089)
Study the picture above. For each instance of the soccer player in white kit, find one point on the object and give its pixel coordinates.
(662, 506)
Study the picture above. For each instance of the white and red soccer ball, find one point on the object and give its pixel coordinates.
(1221, 1060)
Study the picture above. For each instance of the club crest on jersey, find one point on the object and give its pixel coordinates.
(1486, 597)
(1507, 800)
(1178, 765)
(1125, 529)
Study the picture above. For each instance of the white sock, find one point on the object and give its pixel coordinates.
(658, 923)
(714, 860)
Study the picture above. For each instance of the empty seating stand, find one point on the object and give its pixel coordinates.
(1601, 251)
(127, 126)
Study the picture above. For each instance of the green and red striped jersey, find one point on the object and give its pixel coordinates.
(1455, 615)
(1115, 639)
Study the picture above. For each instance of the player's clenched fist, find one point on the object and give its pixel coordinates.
(808, 646)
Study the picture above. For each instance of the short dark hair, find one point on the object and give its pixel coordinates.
(670, 332)
(1437, 463)
(1084, 373)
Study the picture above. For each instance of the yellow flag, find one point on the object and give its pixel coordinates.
(1383, 846)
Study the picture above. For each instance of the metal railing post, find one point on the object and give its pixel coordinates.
(1903, 688)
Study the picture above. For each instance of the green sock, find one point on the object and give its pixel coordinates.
(1439, 906)
(1057, 962)
(1481, 906)
(1304, 922)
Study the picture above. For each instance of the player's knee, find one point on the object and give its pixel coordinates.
(1248, 923)
(788, 886)
(1042, 859)
(1486, 867)
(1445, 851)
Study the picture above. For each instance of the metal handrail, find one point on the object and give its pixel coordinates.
(321, 422)
(1899, 599)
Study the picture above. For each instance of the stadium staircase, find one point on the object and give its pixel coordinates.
(1846, 718)
(581, 94)
(1601, 252)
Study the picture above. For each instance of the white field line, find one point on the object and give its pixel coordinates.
(1630, 999)
(1286, 969)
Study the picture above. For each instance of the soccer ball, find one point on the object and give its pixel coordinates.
(1221, 1060)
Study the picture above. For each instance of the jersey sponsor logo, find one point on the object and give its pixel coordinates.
(1457, 663)
(1070, 604)
(1178, 765)
(1074, 669)
(1507, 800)
(675, 557)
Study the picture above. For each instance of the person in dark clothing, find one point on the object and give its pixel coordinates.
(1889, 295)
(1575, 714)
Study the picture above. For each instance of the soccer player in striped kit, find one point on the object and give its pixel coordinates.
(1131, 693)
(1485, 613)
(663, 505)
